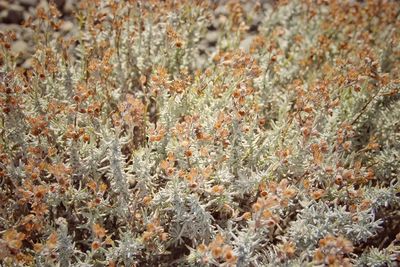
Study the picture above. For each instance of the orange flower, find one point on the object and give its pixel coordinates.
(13, 238)
(170, 171)
(219, 239)
(317, 194)
(98, 230)
(202, 248)
(146, 200)
(164, 236)
(188, 153)
(143, 80)
(246, 215)
(96, 245)
(147, 235)
(289, 248)
(267, 214)
(270, 223)
(338, 179)
(345, 245)
(52, 241)
(228, 255)
(151, 227)
(92, 185)
(347, 145)
(86, 137)
(331, 260)
(103, 187)
(207, 172)
(217, 189)
(289, 192)
(109, 241)
(216, 251)
(256, 206)
(40, 191)
(171, 157)
(40, 209)
(164, 165)
(317, 155)
(318, 256)
(37, 247)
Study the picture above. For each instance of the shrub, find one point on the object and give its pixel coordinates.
(118, 148)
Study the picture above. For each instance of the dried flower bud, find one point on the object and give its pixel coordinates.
(86, 137)
(338, 179)
(188, 153)
(76, 98)
(216, 252)
(202, 248)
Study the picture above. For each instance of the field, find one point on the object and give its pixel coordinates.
(200, 133)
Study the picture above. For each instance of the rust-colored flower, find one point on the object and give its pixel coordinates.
(98, 230)
(52, 241)
(13, 238)
(317, 194)
(96, 245)
(202, 248)
(228, 255)
(216, 251)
